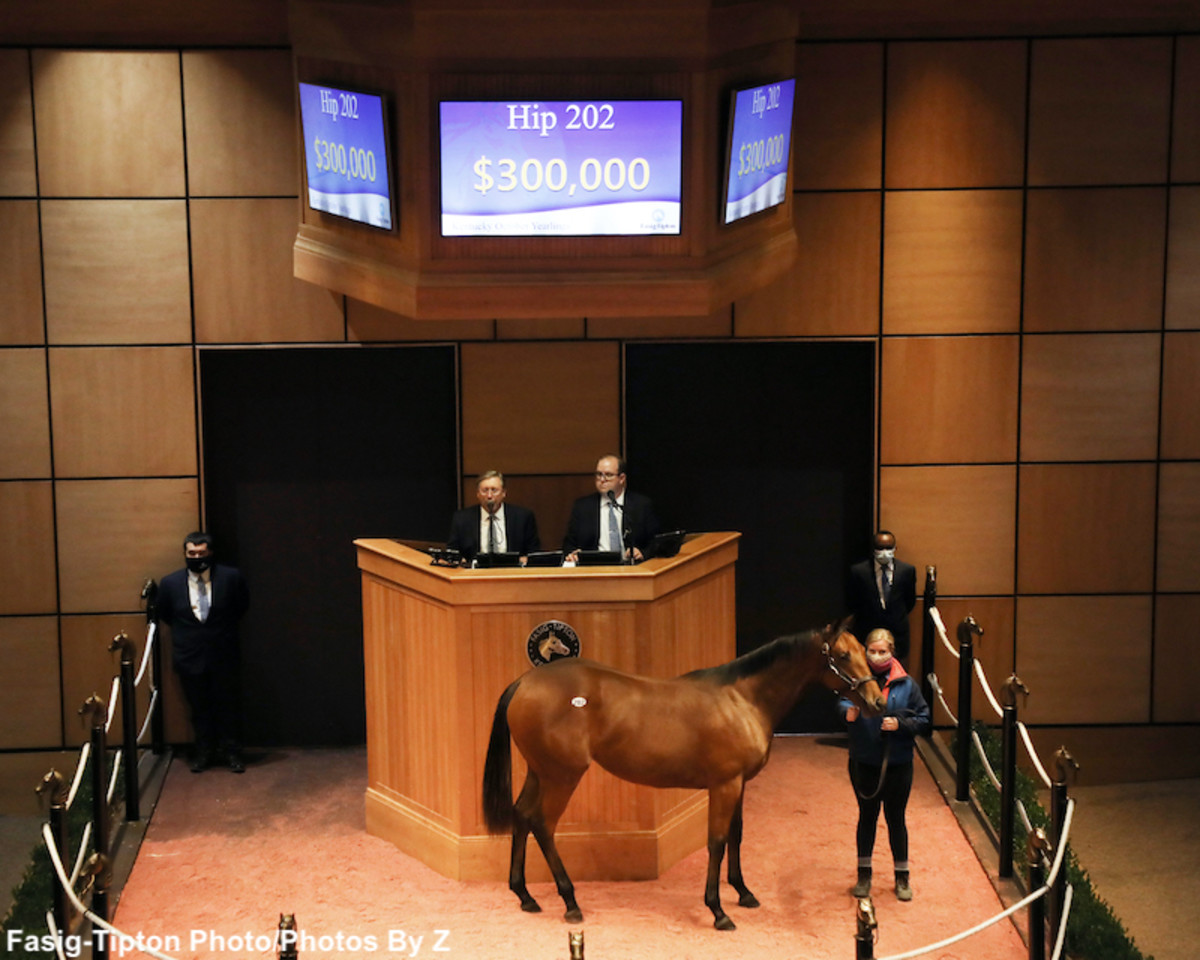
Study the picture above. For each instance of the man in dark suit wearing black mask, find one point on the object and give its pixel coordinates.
(202, 604)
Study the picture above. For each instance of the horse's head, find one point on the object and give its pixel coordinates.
(849, 673)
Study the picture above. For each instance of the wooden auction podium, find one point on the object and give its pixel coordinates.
(441, 644)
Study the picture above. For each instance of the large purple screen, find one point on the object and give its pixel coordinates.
(561, 168)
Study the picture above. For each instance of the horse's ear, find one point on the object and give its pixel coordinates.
(843, 625)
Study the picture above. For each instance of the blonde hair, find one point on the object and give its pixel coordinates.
(881, 634)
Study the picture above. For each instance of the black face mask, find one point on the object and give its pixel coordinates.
(198, 564)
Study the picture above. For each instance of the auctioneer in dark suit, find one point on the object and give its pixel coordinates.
(520, 531)
(205, 653)
(639, 525)
(869, 609)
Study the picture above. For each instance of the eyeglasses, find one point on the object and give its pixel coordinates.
(606, 476)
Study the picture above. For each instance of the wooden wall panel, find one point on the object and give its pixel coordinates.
(29, 689)
(1086, 528)
(20, 273)
(718, 324)
(949, 399)
(956, 114)
(123, 411)
(88, 667)
(114, 534)
(834, 288)
(839, 117)
(961, 519)
(240, 110)
(1176, 645)
(27, 563)
(109, 123)
(242, 277)
(1181, 396)
(1179, 527)
(1060, 640)
(1183, 260)
(368, 323)
(18, 172)
(1090, 397)
(552, 328)
(116, 271)
(24, 415)
(1099, 110)
(539, 407)
(1185, 126)
(1094, 259)
(952, 261)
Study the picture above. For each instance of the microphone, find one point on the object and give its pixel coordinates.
(612, 498)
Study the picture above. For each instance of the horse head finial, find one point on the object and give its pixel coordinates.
(968, 630)
(54, 784)
(1010, 688)
(122, 642)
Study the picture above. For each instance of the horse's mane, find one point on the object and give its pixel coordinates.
(756, 661)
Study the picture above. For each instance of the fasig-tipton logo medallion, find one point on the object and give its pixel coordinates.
(552, 640)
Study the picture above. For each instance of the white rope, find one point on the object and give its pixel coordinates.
(83, 849)
(1033, 754)
(987, 767)
(126, 941)
(83, 758)
(113, 694)
(974, 930)
(933, 682)
(58, 940)
(1024, 817)
(112, 779)
(1062, 923)
(1062, 843)
(987, 689)
(151, 632)
(149, 714)
(936, 616)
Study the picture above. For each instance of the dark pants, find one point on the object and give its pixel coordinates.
(893, 798)
(213, 703)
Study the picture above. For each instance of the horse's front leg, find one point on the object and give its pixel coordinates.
(520, 833)
(722, 802)
(745, 897)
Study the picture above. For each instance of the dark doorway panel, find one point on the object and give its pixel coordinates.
(775, 440)
(304, 451)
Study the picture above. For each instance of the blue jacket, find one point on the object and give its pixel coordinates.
(905, 702)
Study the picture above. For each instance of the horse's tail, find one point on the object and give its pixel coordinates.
(497, 769)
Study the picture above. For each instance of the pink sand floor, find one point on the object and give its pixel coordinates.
(225, 854)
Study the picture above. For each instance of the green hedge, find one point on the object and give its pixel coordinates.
(1093, 930)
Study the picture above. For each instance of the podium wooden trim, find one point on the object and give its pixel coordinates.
(442, 643)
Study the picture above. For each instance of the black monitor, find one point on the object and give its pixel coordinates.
(545, 558)
(599, 558)
(505, 559)
(666, 544)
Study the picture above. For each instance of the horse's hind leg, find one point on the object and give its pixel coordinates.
(520, 833)
(543, 822)
(745, 897)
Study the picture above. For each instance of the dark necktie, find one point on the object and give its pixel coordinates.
(885, 582)
(202, 599)
(491, 533)
(614, 528)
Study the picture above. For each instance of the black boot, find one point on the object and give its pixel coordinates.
(903, 890)
(863, 887)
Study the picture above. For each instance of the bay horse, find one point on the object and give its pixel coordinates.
(709, 729)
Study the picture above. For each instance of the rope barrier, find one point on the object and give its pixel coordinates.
(1033, 754)
(83, 849)
(114, 694)
(121, 936)
(79, 768)
(150, 708)
(937, 688)
(987, 767)
(151, 633)
(936, 616)
(987, 689)
(112, 779)
(52, 927)
(1062, 924)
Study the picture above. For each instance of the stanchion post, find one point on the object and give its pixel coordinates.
(55, 785)
(928, 636)
(94, 707)
(158, 738)
(864, 936)
(1064, 764)
(1036, 848)
(575, 944)
(129, 727)
(1008, 774)
(99, 867)
(967, 630)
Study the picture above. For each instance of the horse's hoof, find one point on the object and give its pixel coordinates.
(574, 915)
(748, 900)
(724, 923)
(531, 906)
